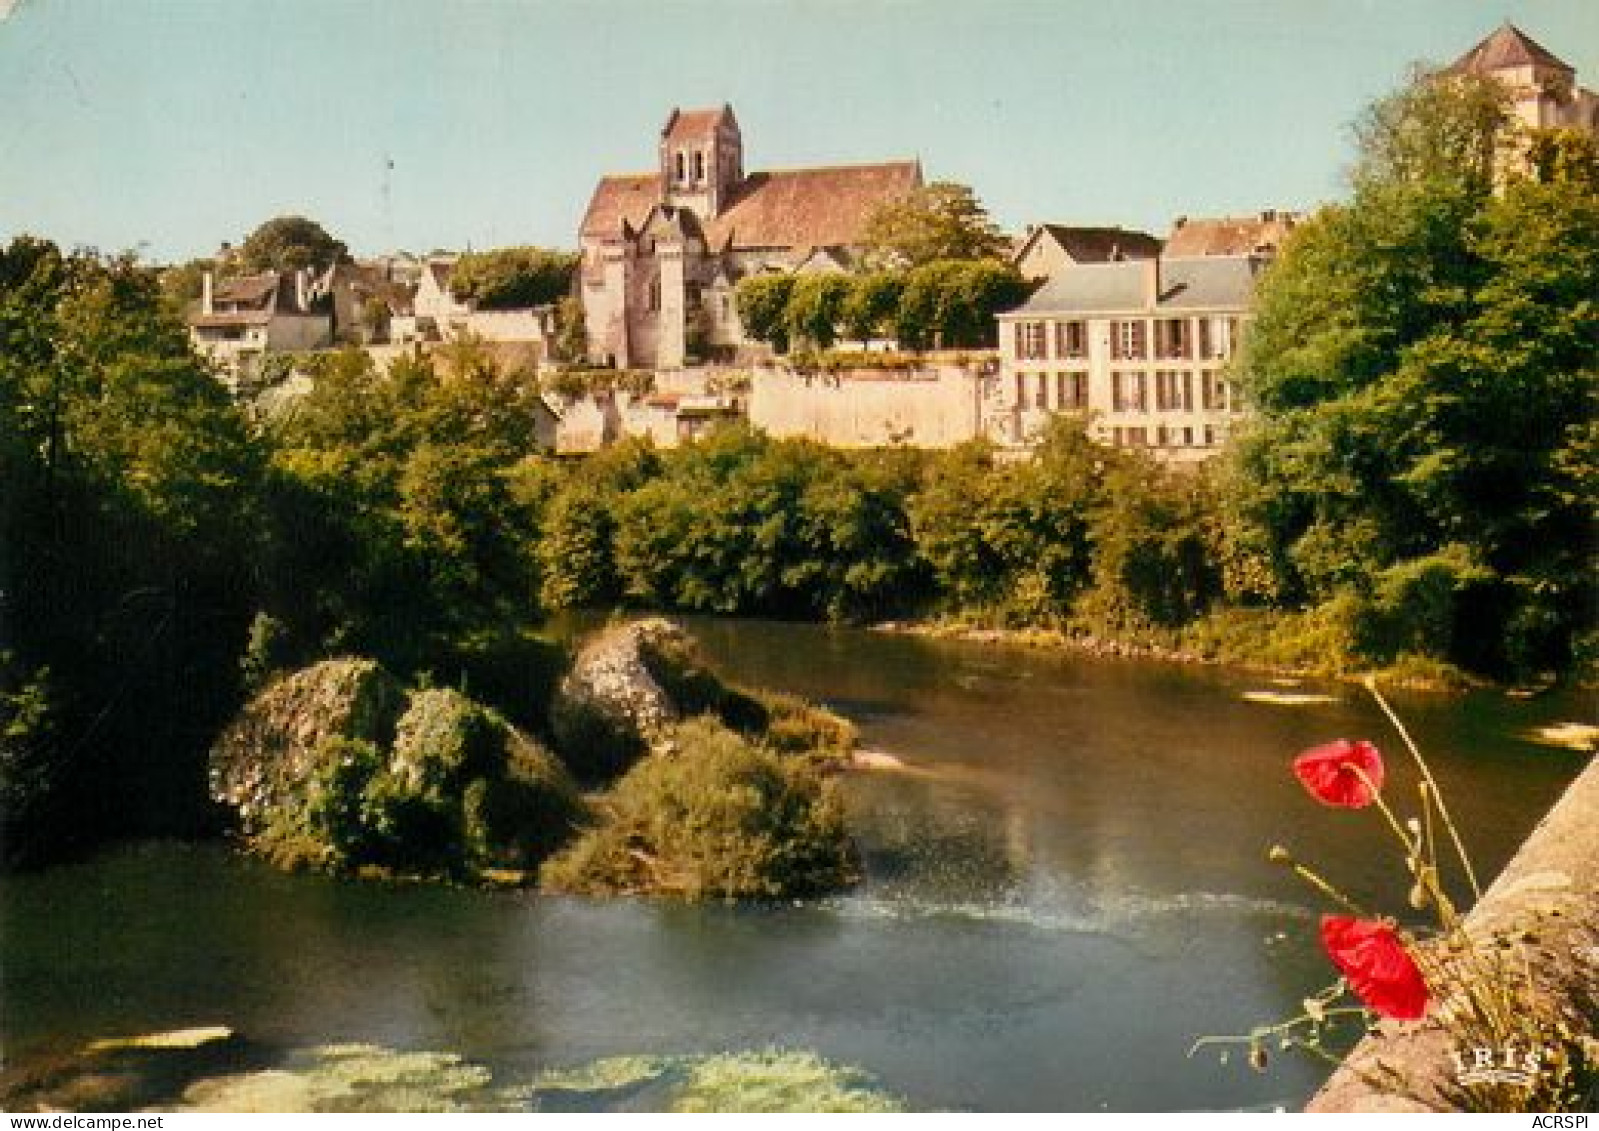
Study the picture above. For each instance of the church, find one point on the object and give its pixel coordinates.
(662, 251)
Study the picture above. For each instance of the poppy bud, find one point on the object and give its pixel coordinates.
(1418, 897)
(1257, 1057)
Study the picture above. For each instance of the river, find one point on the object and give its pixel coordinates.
(1065, 886)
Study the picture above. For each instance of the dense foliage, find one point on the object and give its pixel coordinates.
(130, 527)
(946, 303)
(289, 243)
(1424, 365)
(715, 817)
(513, 277)
(942, 220)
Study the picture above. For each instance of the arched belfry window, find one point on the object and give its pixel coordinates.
(682, 172)
(699, 164)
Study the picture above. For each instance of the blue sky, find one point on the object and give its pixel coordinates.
(170, 125)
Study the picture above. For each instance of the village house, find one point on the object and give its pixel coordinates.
(437, 315)
(662, 251)
(240, 320)
(365, 299)
(1138, 348)
(1543, 89)
(1046, 249)
(1259, 234)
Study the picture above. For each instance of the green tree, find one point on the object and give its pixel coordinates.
(815, 308)
(938, 221)
(514, 277)
(571, 330)
(1422, 364)
(289, 243)
(952, 303)
(130, 526)
(762, 302)
(869, 308)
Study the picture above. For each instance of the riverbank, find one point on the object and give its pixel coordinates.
(1410, 673)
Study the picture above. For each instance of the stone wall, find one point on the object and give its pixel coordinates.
(934, 407)
(1547, 898)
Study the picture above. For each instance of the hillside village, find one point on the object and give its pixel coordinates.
(1131, 330)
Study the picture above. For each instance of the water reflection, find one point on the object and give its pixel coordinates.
(1064, 888)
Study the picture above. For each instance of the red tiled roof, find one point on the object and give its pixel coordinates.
(684, 125)
(1228, 235)
(1508, 46)
(793, 208)
(787, 208)
(1101, 245)
(249, 290)
(626, 196)
(241, 318)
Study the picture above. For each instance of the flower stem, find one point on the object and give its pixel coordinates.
(1436, 794)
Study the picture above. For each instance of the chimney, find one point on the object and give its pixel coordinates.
(207, 294)
(1152, 282)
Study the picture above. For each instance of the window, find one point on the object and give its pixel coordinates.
(1021, 390)
(1071, 339)
(1127, 340)
(1216, 337)
(655, 294)
(1071, 391)
(1162, 436)
(1041, 399)
(1188, 392)
(699, 164)
(1127, 392)
(1210, 435)
(682, 172)
(1137, 437)
(1171, 339)
(1029, 340)
(1168, 390)
(1211, 391)
(1188, 437)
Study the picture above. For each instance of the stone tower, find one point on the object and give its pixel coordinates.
(702, 160)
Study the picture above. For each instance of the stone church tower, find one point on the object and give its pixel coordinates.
(663, 251)
(702, 160)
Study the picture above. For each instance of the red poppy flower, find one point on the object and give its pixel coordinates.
(1378, 966)
(1329, 772)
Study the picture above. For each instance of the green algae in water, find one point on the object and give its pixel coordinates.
(777, 1080)
(769, 1080)
(353, 1078)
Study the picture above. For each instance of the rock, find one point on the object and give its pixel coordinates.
(633, 683)
(612, 707)
(266, 754)
(337, 768)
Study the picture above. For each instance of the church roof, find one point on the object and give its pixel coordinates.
(809, 207)
(693, 124)
(1229, 235)
(786, 208)
(623, 197)
(1508, 46)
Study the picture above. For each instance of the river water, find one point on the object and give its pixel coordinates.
(1065, 886)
